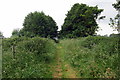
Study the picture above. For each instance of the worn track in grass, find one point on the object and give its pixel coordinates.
(61, 68)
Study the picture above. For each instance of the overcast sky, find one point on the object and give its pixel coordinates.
(13, 12)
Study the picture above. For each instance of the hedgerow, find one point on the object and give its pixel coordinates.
(31, 59)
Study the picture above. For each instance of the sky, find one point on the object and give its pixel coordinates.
(13, 12)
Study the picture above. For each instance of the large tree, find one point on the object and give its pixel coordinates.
(80, 21)
(39, 24)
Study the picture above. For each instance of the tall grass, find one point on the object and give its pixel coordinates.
(31, 57)
(93, 57)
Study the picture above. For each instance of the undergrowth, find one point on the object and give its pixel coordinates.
(93, 57)
(27, 57)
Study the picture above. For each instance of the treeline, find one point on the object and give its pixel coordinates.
(80, 21)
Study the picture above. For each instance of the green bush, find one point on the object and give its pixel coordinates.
(114, 35)
(90, 41)
(9, 42)
(34, 45)
(93, 57)
(32, 57)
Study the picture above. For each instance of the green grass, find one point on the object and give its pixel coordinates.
(88, 57)
(93, 57)
(31, 60)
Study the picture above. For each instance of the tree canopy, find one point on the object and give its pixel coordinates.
(39, 24)
(80, 21)
(116, 5)
(15, 32)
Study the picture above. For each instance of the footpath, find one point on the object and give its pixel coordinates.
(61, 68)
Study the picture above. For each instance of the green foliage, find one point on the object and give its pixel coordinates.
(80, 21)
(38, 24)
(115, 22)
(1, 34)
(32, 57)
(93, 57)
(90, 41)
(114, 35)
(38, 46)
(9, 42)
(116, 5)
(15, 32)
(35, 45)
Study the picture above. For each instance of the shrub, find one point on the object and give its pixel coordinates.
(92, 41)
(9, 42)
(93, 57)
(34, 45)
(32, 57)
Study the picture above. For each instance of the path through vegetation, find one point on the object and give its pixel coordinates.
(89, 57)
(61, 68)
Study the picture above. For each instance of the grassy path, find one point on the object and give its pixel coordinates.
(61, 68)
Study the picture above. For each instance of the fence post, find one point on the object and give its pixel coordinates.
(13, 51)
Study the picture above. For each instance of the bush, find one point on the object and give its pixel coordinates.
(32, 57)
(94, 57)
(90, 41)
(34, 45)
(9, 42)
(114, 35)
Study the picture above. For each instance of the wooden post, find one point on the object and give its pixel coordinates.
(13, 51)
